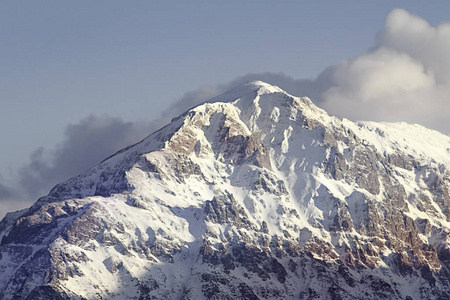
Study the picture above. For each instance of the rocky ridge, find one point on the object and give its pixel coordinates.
(254, 194)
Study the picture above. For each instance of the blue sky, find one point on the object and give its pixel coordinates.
(70, 66)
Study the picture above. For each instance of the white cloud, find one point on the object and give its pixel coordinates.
(378, 85)
(427, 44)
(404, 78)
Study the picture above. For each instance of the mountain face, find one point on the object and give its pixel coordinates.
(255, 194)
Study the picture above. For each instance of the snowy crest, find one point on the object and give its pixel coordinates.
(254, 194)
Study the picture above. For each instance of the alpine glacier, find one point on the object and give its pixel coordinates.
(254, 194)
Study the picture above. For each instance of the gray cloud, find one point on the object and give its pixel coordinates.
(86, 144)
(10, 199)
(6, 192)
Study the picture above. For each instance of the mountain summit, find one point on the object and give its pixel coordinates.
(254, 194)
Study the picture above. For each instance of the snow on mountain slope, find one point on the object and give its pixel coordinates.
(255, 194)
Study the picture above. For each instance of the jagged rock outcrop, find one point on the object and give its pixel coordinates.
(255, 194)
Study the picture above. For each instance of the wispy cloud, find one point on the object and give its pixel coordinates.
(10, 199)
(85, 144)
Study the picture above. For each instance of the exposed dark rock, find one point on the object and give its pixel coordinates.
(336, 164)
(46, 292)
(224, 209)
(247, 292)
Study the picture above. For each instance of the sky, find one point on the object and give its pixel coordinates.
(80, 80)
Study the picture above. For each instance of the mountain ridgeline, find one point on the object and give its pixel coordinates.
(254, 194)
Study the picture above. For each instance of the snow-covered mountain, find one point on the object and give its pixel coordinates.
(254, 194)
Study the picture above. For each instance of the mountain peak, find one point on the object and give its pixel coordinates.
(254, 194)
(263, 85)
(245, 89)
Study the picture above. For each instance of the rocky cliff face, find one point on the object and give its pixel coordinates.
(255, 194)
